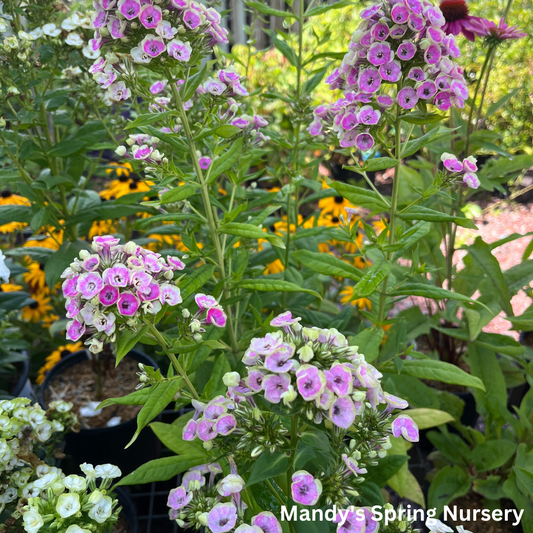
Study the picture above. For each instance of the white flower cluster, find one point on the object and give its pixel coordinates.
(73, 504)
(25, 430)
(68, 31)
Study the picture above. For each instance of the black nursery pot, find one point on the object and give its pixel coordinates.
(23, 385)
(470, 415)
(128, 509)
(106, 445)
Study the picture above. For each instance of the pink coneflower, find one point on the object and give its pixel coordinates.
(458, 20)
(500, 32)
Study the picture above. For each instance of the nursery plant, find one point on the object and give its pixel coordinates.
(278, 299)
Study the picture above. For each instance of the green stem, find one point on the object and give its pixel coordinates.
(207, 207)
(469, 125)
(393, 209)
(173, 358)
(484, 91)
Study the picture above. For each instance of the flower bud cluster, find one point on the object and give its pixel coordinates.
(399, 55)
(172, 33)
(215, 505)
(316, 373)
(73, 504)
(464, 171)
(117, 287)
(27, 432)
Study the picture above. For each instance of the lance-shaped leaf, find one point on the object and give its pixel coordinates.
(195, 280)
(360, 197)
(327, 265)
(377, 163)
(177, 194)
(371, 280)
(148, 118)
(161, 469)
(481, 254)
(272, 285)
(127, 340)
(225, 161)
(419, 212)
(268, 465)
(430, 291)
(250, 231)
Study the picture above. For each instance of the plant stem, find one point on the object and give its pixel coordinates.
(163, 343)
(213, 227)
(393, 209)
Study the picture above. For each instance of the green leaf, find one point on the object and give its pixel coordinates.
(360, 197)
(519, 276)
(313, 81)
(127, 340)
(411, 237)
(371, 280)
(452, 446)
(284, 48)
(271, 285)
(449, 483)
(106, 211)
(316, 439)
(137, 397)
(525, 477)
(491, 487)
(430, 291)
(376, 163)
(501, 102)
(225, 161)
(268, 465)
(227, 131)
(160, 396)
(67, 147)
(196, 279)
(420, 212)
(39, 219)
(388, 466)
(492, 454)
(421, 118)
(327, 264)
(161, 469)
(194, 82)
(15, 213)
(177, 194)
(417, 144)
(303, 455)
(147, 118)
(250, 231)
(9, 301)
(439, 371)
(429, 418)
(368, 342)
(482, 256)
(171, 437)
(61, 259)
(324, 8)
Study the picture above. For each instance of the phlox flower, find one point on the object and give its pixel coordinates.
(222, 517)
(405, 426)
(305, 489)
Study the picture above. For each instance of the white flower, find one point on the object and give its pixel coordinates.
(46, 481)
(75, 483)
(121, 151)
(71, 72)
(25, 36)
(231, 484)
(61, 406)
(76, 529)
(139, 56)
(51, 30)
(43, 431)
(436, 526)
(33, 521)
(108, 471)
(102, 507)
(88, 470)
(73, 39)
(37, 33)
(4, 271)
(68, 504)
(69, 24)
(90, 54)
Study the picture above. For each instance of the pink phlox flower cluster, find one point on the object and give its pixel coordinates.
(216, 505)
(116, 287)
(146, 31)
(465, 170)
(226, 83)
(398, 44)
(212, 419)
(142, 147)
(317, 370)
